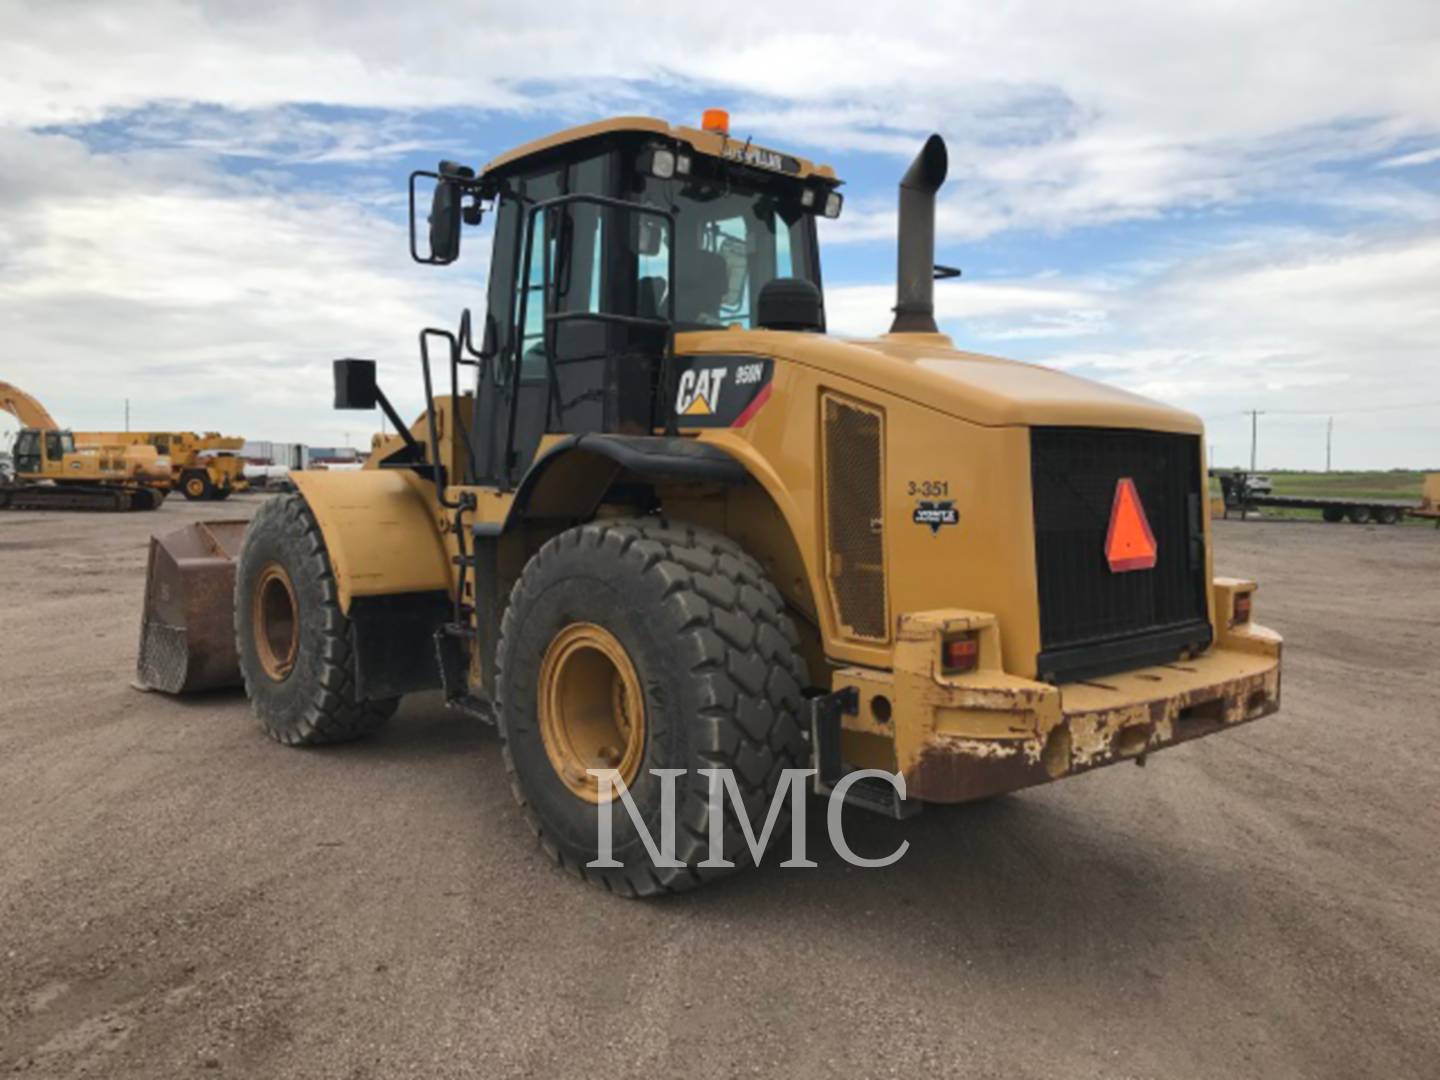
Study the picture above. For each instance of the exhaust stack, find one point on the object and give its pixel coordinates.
(915, 285)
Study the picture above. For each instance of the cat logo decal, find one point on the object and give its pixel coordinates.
(698, 392)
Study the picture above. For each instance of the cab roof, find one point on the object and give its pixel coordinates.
(714, 143)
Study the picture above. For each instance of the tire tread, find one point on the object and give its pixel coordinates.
(333, 713)
(737, 643)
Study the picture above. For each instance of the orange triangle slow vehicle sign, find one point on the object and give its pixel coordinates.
(1129, 545)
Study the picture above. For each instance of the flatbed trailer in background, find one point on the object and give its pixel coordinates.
(1239, 497)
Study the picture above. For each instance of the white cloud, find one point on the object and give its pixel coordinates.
(120, 272)
(995, 310)
(208, 303)
(1308, 328)
(1293, 322)
(1405, 161)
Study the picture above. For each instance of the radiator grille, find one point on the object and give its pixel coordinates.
(854, 516)
(1093, 620)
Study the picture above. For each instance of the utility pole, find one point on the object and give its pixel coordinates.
(1329, 432)
(1255, 415)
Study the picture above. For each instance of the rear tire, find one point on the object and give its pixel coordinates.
(1386, 515)
(196, 485)
(704, 638)
(292, 638)
(1333, 514)
(1360, 515)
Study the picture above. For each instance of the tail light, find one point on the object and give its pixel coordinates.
(959, 655)
(1240, 610)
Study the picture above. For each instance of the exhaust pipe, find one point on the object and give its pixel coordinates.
(915, 285)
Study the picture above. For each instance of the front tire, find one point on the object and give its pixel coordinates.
(682, 619)
(196, 486)
(293, 640)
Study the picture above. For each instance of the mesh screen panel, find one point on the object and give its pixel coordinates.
(1084, 606)
(854, 516)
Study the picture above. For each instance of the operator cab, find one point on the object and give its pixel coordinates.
(34, 449)
(608, 240)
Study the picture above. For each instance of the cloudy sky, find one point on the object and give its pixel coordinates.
(1225, 205)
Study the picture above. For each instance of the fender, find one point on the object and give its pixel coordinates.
(380, 529)
(572, 477)
(650, 457)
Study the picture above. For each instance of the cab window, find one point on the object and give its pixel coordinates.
(729, 244)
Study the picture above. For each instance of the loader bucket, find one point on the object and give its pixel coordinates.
(187, 631)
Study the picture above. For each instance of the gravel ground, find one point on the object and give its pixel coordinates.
(179, 895)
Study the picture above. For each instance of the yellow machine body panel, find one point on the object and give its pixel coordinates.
(953, 425)
(382, 530)
(59, 459)
(1430, 496)
(187, 451)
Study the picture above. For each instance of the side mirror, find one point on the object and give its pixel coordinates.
(445, 213)
(355, 386)
(448, 210)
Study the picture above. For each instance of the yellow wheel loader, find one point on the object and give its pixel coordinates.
(664, 523)
(50, 472)
(201, 466)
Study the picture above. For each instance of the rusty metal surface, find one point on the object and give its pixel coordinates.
(187, 628)
(958, 769)
(962, 737)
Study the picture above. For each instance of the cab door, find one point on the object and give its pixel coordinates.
(55, 449)
(510, 402)
(586, 371)
(28, 459)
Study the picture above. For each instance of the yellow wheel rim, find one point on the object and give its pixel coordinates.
(195, 488)
(275, 618)
(592, 713)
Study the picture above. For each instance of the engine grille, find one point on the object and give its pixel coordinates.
(1093, 621)
(854, 516)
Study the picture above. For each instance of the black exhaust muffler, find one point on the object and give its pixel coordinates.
(915, 286)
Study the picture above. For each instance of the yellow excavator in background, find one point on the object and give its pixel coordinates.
(52, 473)
(201, 466)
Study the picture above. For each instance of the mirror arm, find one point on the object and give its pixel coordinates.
(401, 428)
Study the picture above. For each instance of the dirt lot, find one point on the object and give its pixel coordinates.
(180, 895)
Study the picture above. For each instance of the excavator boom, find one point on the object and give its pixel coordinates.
(25, 408)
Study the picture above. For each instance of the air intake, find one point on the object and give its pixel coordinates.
(854, 436)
